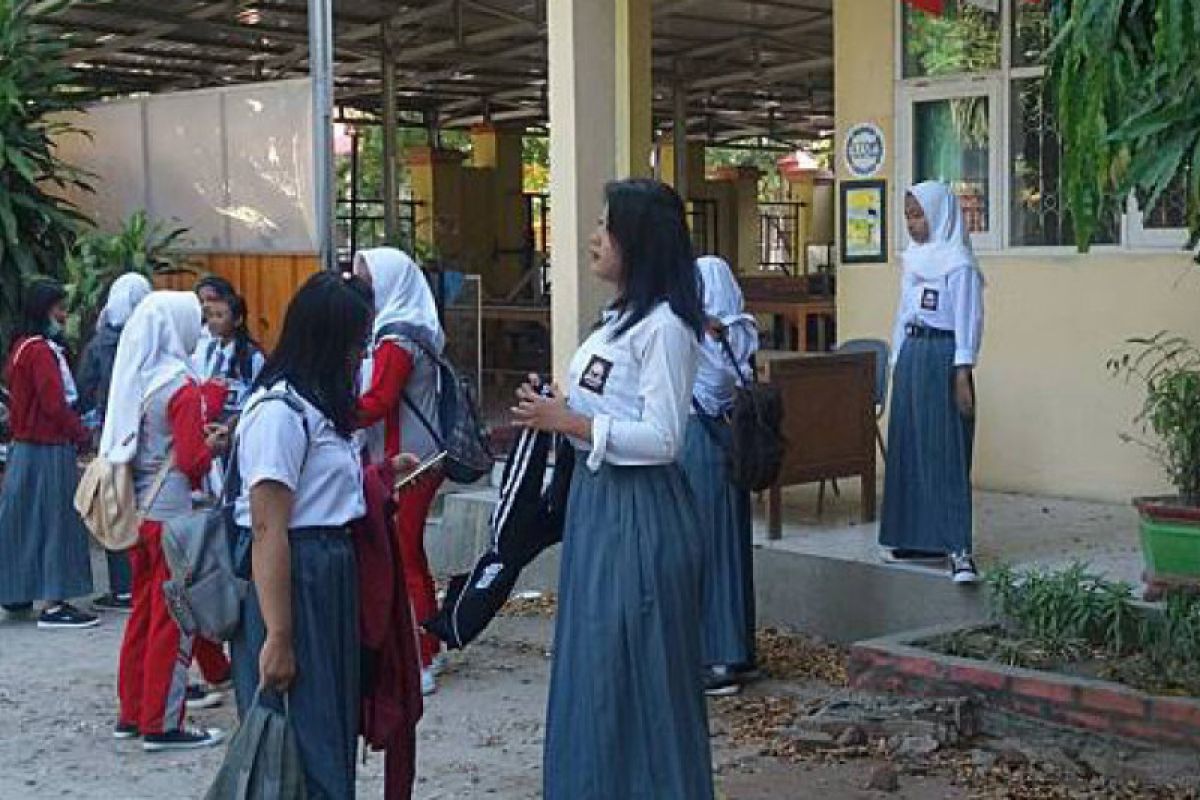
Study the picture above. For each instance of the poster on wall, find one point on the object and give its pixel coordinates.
(864, 222)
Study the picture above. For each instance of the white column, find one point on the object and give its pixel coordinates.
(320, 67)
(583, 157)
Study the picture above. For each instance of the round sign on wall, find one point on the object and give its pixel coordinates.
(865, 150)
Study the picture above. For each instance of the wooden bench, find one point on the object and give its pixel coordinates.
(829, 422)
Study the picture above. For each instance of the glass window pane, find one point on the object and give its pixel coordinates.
(1039, 216)
(1031, 32)
(963, 39)
(951, 145)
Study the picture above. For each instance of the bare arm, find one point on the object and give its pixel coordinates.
(270, 514)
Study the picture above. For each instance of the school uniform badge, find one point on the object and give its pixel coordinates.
(595, 377)
(929, 300)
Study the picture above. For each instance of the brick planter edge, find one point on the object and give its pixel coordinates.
(894, 664)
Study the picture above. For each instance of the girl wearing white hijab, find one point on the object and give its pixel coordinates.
(399, 409)
(931, 431)
(725, 361)
(95, 375)
(156, 420)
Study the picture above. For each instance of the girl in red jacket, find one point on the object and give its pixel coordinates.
(400, 409)
(43, 544)
(156, 421)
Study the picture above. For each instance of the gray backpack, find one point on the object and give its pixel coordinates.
(262, 762)
(204, 595)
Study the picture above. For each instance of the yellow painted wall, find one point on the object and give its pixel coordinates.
(1050, 414)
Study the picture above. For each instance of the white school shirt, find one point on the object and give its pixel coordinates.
(327, 480)
(637, 389)
(216, 362)
(716, 377)
(952, 302)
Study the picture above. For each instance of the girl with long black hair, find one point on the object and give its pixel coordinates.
(43, 544)
(302, 485)
(627, 714)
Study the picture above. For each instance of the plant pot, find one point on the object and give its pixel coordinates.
(1170, 533)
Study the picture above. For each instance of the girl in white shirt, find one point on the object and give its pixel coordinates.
(627, 715)
(931, 429)
(730, 342)
(301, 485)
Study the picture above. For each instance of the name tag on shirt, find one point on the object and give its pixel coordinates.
(595, 377)
(929, 300)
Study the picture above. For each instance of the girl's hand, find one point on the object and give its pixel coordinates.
(216, 436)
(964, 392)
(541, 413)
(404, 464)
(277, 663)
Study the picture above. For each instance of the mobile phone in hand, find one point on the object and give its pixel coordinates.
(422, 470)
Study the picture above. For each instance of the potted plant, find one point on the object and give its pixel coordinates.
(1168, 366)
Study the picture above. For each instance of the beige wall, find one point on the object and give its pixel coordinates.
(1050, 414)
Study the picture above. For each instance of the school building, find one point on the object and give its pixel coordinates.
(216, 126)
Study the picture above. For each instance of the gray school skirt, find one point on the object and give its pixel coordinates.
(627, 716)
(323, 703)
(43, 543)
(927, 484)
(727, 629)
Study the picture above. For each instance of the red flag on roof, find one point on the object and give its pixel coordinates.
(928, 6)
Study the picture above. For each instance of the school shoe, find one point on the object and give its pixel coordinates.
(720, 681)
(185, 739)
(65, 615)
(428, 682)
(126, 730)
(962, 569)
(121, 603)
(200, 697)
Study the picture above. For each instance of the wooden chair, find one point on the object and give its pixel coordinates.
(882, 353)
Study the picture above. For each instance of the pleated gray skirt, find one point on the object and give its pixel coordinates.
(627, 717)
(727, 621)
(324, 700)
(43, 543)
(927, 485)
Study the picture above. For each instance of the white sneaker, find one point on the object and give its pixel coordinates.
(428, 682)
(962, 569)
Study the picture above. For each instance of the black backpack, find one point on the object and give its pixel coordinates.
(459, 431)
(754, 446)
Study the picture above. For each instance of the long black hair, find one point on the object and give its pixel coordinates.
(244, 345)
(324, 331)
(647, 220)
(40, 297)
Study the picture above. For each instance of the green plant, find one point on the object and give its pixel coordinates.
(97, 259)
(1169, 368)
(37, 91)
(1127, 84)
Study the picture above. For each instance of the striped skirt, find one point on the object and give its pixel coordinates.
(323, 703)
(927, 485)
(627, 716)
(43, 543)
(727, 630)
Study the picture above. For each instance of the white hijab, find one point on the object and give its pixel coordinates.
(723, 300)
(155, 349)
(949, 246)
(123, 297)
(402, 294)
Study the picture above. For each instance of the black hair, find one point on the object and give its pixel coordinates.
(647, 220)
(327, 321)
(41, 296)
(244, 345)
(218, 284)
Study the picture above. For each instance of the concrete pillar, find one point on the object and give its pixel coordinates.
(436, 179)
(744, 202)
(499, 151)
(634, 89)
(583, 156)
(695, 165)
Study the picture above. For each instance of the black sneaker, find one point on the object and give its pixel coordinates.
(65, 615)
(122, 603)
(201, 697)
(186, 739)
(126, 730)
(721, 682)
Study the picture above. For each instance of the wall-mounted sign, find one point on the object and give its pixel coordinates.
(864, 222)
(866, 150)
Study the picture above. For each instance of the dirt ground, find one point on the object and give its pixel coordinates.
(481, 736)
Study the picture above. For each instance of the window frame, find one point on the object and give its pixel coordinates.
(996, 85)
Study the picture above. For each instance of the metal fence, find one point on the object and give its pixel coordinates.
(779, 237)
